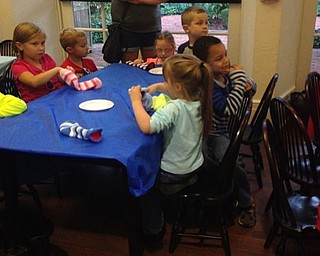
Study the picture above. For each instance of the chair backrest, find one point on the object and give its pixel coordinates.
(280, 184)
(8, 71)
(225, 170)
(235, 120)
(8, 86)
(262, 111)
(312, 87)
(6, 48)
(296, 147)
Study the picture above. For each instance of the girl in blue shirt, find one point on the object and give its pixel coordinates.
(184, 121)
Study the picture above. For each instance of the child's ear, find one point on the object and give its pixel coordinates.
(19, 46)
(178, 86)
(69, 49)
(185, 28)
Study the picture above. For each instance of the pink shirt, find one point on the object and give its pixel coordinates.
(27, 92)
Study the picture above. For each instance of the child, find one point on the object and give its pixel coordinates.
(165, 47)
(11, 105)
(74, 43)
(184, 121)
(195, 23)
(229, 85)
(35, 72)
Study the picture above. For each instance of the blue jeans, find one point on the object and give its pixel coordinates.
(217, 146)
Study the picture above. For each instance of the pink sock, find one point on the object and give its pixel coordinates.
(94, 83)
(69, 77)
(72, 80)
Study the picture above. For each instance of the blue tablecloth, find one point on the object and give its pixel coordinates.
(37, 130)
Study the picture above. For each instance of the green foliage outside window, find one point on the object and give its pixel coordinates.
(215, 11)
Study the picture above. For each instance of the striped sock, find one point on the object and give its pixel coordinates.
(72, 80)
(74, 130)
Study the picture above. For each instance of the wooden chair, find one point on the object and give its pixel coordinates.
(295, 215)
(8, 86)
(215, 204)
(8, 72)
(300, 163)
(312, 87)
(6, 48)
(253, 134)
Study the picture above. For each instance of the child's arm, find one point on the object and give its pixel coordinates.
(228, 104)
(142, 117)
(38, 80)
(156, 87)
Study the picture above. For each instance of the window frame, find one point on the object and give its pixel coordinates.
(170, 1)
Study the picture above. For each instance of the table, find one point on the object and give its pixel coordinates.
(4, 62)
(37, 131)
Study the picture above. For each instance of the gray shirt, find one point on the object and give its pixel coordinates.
(140, 18)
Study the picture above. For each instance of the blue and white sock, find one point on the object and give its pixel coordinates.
(74, 130)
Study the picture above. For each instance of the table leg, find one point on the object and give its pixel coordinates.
(8, 172)
(134, 225)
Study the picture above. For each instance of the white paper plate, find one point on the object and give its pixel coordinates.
(156, 71)
(96, 105)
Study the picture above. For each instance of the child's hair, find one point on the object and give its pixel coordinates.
(188, 14)
(23, 33)
(69, 37)
(202, 44)
(166, 35)
(195, 77)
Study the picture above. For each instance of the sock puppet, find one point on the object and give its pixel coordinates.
(72, 80)
(74, 130)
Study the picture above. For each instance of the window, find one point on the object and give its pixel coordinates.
(89, 17)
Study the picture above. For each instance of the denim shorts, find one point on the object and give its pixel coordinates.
(172, 183)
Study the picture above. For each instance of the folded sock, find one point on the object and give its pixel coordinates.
(72, 80)
(74, 130)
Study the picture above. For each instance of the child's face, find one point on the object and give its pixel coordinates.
(198, 27)
(34, 48)
(164, 49)
(218, 59)
(80, 49)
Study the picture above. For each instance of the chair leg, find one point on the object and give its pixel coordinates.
(258, 163)
(282, 245)
(269, 203)
(271, 235)
(177, 226)
(224, 233)
(34, 194)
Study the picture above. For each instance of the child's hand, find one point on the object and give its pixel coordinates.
(236, 67)
(70, 68)
(135, 93)
(137, 62)
(248, 86)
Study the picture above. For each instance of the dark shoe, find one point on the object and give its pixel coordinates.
(247, 217)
